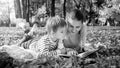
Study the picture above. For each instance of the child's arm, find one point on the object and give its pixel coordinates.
(60, 50)
(71, 52)
(48, 49)
(54, 53)
(28, 35)
(50, 52)
(24, 39)
(33, 29)
(60, 44)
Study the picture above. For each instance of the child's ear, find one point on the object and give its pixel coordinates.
(52, 32)
(85, 23)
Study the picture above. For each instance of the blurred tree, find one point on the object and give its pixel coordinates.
(17, 8)
(47, 7)
(52, 7)
(28, 9)
(24, 7)
(90, 9)
(64, 9)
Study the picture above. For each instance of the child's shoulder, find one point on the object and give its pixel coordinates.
(43, 40)
(44, 37)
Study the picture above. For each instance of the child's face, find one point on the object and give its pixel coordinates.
(74, 25)
(60, 34)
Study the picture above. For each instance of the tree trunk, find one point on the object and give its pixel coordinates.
(64, 9)
(24, 8)
(28, 5)
(17, 9)
(53, 8)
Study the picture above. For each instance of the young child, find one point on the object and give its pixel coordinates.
(47, 46)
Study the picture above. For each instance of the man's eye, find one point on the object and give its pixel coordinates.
(71, 26)
(61, 31)
(78, 27)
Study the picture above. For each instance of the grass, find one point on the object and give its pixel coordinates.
(105, 58)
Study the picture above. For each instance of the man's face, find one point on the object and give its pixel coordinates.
(74, 26)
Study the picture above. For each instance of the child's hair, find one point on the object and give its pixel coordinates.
(53, 23)
(76, 14)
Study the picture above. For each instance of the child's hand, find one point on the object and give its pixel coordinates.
(63, 51)
(60, 45)
(70, 53)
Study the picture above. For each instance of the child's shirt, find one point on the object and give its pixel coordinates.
(45, 47)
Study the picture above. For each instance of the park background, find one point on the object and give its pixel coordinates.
(103, 18)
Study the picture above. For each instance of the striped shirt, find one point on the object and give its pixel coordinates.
(45, 47)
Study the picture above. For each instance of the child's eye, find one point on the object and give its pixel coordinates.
(61, 31)
(71, 26)
(78, 27)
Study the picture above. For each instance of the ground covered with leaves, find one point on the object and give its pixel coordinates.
(108, 57)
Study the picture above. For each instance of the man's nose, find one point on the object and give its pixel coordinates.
(74, 30)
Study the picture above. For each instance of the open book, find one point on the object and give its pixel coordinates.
(81, 55)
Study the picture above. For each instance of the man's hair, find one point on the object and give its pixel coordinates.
(76, 14)
(53, 23)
